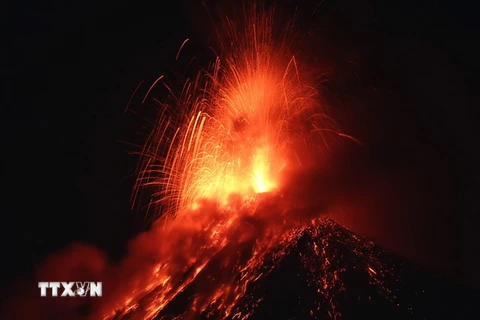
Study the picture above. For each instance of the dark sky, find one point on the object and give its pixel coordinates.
(404, 73)
(70, 71)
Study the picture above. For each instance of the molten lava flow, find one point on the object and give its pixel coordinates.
(254, 115)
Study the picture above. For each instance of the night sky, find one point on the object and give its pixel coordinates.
(402, 76)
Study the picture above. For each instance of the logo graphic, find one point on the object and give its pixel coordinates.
(71, 289)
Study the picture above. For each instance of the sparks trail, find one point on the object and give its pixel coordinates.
(243, 121)
(218, 171)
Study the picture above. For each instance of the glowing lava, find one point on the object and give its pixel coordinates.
(253, 115)
(242, 122)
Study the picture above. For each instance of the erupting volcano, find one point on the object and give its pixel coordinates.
(222, 175)
(279, 160)
(236, 178)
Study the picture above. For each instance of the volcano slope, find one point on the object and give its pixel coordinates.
(325, 271)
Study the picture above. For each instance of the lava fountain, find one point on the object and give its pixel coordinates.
(242, 121)
(220, 171)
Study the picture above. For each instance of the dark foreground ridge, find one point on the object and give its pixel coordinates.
(328, 272)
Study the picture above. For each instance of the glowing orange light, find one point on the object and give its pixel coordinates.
(243, 123)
